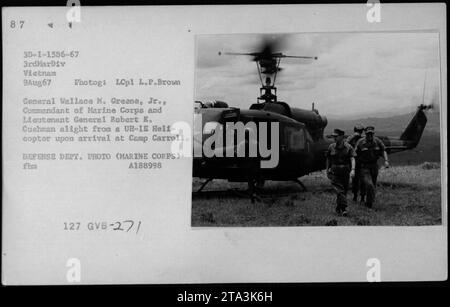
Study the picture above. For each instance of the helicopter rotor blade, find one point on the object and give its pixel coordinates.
(298, 57)
(237, 53)
(434, 104)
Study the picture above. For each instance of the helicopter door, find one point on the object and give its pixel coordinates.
(295, 139)
(294, 147)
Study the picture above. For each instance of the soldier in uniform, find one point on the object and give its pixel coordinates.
(352, 140)
(252, 168)
(340, 166)
(369, 149)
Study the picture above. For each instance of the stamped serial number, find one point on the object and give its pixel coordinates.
(124, 225)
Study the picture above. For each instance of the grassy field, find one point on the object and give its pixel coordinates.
(406, 195)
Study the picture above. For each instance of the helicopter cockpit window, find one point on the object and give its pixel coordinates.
(295, 139)
(210, 127)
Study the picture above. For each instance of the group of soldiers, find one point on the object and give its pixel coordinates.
(355, 157)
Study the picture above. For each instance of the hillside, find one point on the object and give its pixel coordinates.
(429, 148)
(394, 124)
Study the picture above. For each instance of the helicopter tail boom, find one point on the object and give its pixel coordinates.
(411, 136)
(414, 130)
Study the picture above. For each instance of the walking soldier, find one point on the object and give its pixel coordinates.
(369, 149)
(352, 140)
(340, 166)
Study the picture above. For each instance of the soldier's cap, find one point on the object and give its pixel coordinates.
(337, 132)
(370, 129)
(358, 127)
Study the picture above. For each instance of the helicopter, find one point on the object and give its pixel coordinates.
(301, 142)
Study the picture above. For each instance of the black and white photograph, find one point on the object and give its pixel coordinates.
(224, 145)
(358, 130)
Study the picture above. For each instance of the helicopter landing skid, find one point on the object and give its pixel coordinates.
(301, 184)
(204, 184)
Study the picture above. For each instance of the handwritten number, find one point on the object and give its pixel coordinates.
(139, 226)
(118, 228)
(131, 226)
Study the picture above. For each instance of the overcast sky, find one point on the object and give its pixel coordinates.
(356, 74)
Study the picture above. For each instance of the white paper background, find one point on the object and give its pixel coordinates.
(160, 42)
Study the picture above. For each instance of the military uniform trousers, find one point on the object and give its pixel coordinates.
(340, 177)
(368, 177)
(356, 180)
